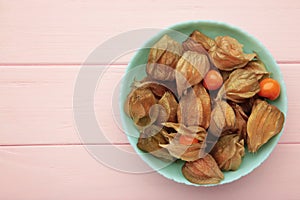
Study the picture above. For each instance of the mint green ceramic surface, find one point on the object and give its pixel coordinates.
(211, 29)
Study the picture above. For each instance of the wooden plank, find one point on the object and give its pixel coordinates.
(69, 172)
(67, 31)
(36, 104)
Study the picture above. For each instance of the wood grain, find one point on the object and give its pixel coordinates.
(36, 104)
(67, 31)
(69, 172)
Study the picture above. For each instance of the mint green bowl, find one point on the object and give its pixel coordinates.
(180, 32)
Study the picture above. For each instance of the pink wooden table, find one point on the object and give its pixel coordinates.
(42, 47)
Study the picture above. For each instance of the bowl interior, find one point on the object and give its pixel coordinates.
(180, 32)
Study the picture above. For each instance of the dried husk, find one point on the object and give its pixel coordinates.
(169, 111)
(190, 70)
(258, 68)
(157, 88)
(241, 85)
(228, 54)
(138, 105)
(194, 108)
(150, 140)
(228, 152)
(203, 171)
(222, 119)
(190, 110)
(241, 121)
(264, 122)
(184, 152)
(205, 41)
(163, 58)
(202, 93)
(192, 131)
(192, 45)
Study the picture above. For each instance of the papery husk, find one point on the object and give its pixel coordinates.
(169, 111)
(163, 58)
(190, 70)
(192, 131)
(228, 54)
(190, 110)
(222, 119)
(205, 41)
(202, 93)
(138, 104)
(184, 152)
(241, 85)
(150, 140)
(228, 152)
(157, 88)
(241, 121)
(203, 171)
(191, 45)
(194, 108)
(264, 122)
(258, 68)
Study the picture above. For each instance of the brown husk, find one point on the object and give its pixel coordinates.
(228, 54)
(241, 85)
(206, 42)
(185, 152)
(169, 111)
(241, 121)
(138, 105)
(203, 171)
(194, 108)
(228, 152)
(157, 88)
(222, 119)
(258, 68)
(202, 93)
(190, 70)
(192, 131)
(192, 45)
(163, 58)
(264, 122)
(150, 140)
